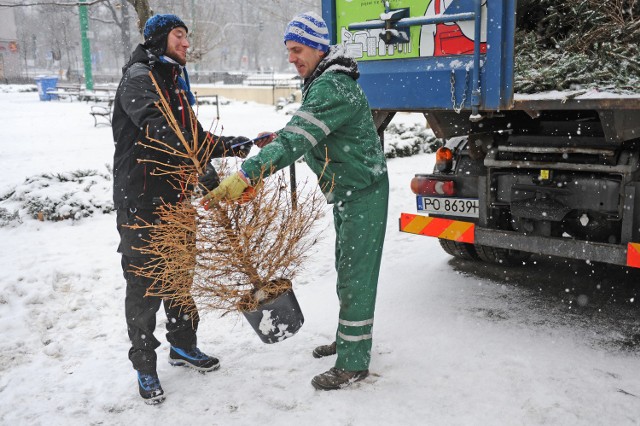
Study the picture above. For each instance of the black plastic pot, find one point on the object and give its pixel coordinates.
(277, 319)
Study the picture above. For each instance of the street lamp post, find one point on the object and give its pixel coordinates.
(86, 48)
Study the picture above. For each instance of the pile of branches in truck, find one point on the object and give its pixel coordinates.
(578, 44)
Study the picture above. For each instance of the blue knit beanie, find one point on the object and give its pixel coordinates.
(156, 31)
(308, 29)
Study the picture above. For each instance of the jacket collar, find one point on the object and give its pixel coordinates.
(336, 60)
(143, 55)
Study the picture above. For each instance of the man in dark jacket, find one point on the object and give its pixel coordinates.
(138, 189)
(334, 130)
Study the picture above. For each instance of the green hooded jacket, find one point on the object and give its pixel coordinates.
(333, 129)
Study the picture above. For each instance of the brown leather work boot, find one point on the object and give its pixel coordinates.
(337, 378)
(324, 350)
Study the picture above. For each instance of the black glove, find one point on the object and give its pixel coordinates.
(210, 179)
(239, 145)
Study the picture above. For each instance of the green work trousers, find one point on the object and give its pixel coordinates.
(360, 228)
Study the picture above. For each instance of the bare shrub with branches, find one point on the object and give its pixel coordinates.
(233, 255)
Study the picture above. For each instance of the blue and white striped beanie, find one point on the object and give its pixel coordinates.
(308, 29)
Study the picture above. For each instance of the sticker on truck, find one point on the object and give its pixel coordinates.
(442, 39)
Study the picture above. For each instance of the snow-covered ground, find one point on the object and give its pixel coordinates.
(450, 348)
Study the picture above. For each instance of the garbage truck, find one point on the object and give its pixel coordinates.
(554, 173)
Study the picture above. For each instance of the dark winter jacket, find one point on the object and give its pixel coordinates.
(333, 129)
(135, 183)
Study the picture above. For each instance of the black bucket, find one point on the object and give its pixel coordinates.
(277, 319)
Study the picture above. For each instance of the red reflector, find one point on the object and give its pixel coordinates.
(425, 186)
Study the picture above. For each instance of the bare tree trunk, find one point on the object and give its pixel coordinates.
(122, 22)
(126, 36)
(143, 10)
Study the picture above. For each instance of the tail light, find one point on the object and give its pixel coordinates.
(421, 185)
(444, 159)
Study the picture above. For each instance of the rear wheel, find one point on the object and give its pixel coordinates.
(460, 250)
(501, 256)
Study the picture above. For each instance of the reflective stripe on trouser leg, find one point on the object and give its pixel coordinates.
(360, 228)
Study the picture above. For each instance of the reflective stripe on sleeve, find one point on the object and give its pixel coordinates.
(356, 323)
(354, 338)
(311, 119)
(302, 132)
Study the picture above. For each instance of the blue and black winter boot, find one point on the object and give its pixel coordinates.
(149, 388)
(193, 358)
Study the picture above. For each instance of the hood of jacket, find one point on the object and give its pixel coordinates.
(141, 55)
(336, 60)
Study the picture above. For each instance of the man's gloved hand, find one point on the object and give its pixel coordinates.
(239, 146)
(230, 189)
(250, 193)
(264, 139)
(210, 179)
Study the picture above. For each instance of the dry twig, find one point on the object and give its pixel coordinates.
(231, 256)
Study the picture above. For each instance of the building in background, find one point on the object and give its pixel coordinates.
(9, 48)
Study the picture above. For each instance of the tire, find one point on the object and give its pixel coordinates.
(460, 250)
(501, 256)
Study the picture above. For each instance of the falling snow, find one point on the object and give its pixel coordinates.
(454, 343)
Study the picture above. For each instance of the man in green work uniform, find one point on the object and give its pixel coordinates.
(334, 130)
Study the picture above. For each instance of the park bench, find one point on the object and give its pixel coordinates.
(103, 109)
(65, 91)
(102, 114)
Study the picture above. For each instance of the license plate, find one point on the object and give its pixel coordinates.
(468, 207)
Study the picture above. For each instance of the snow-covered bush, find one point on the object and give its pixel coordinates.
(7, 217)
(18, 88)
(288, 108)
(405, 140)
(71, 195)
